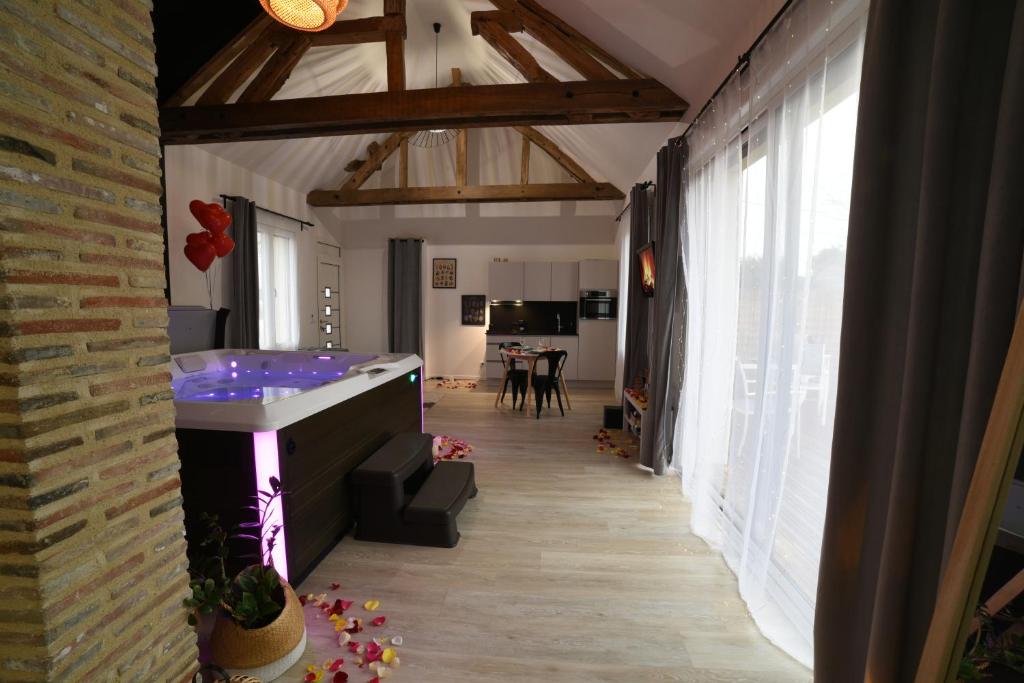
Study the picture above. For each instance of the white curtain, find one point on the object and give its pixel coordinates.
(278, 283)
(764, 257)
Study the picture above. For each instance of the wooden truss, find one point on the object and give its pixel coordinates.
(350, 193)
(265, 53)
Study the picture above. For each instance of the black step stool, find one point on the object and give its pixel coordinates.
(403, 497)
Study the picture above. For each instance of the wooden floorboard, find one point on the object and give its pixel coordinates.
(573, 566)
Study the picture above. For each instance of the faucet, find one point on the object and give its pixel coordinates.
(558, 323)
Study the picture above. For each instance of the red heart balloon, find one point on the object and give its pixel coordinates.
(198, 238)
(201, 255)
(217, 221)
(222, 244)
(199, 209)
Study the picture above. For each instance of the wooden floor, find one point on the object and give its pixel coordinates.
(573, 566)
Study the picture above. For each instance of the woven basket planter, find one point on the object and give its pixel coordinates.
(267, 652)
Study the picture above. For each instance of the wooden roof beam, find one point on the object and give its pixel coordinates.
(238, 71)
(224, 56)
(276, 71)
(377, 154)
(394, 46)
(473, 194)
(571, 53)
(480, 106)
(357, 31)
(512, 50)
(555, 152)
(524, 7)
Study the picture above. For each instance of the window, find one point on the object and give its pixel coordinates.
(278, 284)
(767, 209)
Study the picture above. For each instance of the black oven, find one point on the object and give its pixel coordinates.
(598, 304)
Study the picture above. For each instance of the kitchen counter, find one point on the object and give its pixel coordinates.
(529, 333)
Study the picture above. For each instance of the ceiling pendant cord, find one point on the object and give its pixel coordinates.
(434, 137)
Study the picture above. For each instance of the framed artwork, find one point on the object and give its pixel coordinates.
(474, 307)
(444, 273)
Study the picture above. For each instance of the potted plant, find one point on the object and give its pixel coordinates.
(255, 620)
(995, 651)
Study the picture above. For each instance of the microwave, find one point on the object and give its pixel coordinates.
(598, 304)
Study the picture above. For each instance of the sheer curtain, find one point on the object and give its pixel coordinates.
(278, 283)
(764, 257)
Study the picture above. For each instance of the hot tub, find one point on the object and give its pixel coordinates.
(306, 418)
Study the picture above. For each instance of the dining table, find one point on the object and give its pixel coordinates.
(528, 355)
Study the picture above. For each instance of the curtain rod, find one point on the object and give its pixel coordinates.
(302, 223)
(742, 62)
(643, 185)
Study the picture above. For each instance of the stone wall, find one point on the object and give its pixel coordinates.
(92, 555)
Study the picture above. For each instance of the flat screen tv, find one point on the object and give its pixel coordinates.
(645, 255)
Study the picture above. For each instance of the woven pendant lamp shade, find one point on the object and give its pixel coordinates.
(305, 15)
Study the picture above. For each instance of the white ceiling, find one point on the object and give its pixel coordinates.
(689, 45)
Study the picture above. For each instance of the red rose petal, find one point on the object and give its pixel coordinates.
(353, 646)
(302, 600)
(345, 604)
(379, 621)
(340, 677)
(309, 677)
(335, 585)
(336, 664)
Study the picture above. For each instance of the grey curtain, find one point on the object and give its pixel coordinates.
(636, 362)
(669, 310)
(405, 314)
(933, 280)
(244, 319)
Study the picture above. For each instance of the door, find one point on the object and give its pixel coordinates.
(329, 297)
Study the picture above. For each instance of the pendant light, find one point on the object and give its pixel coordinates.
(434, 137)
(305, 15)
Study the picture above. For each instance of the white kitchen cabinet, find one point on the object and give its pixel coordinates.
(599, 274)
(565, 281)
(572, 361)
(505, 281)
(537, 281)
(597, 342)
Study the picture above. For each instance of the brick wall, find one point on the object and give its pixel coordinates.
(92, 556)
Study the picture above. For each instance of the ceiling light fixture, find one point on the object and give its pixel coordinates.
(305, 15)
(434, 137)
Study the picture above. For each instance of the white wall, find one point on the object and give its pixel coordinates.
(474, 235)
(193, 173)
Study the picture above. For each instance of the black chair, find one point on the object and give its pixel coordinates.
(544, 384)
(514, 375)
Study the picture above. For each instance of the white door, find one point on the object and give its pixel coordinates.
(329, 303)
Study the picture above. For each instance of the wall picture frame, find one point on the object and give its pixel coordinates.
(444, 273)
(474, 309)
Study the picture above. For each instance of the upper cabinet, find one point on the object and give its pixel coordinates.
(565, 281)
(505, 281)
(537, 281)
(599, 275)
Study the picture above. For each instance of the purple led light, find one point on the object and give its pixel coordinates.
(325, 357)
(265, 458)
(234, 375)
(234, 364)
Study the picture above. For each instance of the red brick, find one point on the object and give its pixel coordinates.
(86, 503)
(25, 124)
(135, 464)
(68, 325)
(129, 384)
(27, 227)
(81, 462)
(123, 302)
(142, 498)
(126, 343)
(118, 220)
(58, 86)
(120, 261)
(114, 175)
(43, 277)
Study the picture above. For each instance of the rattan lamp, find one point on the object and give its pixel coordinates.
(305, 15)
